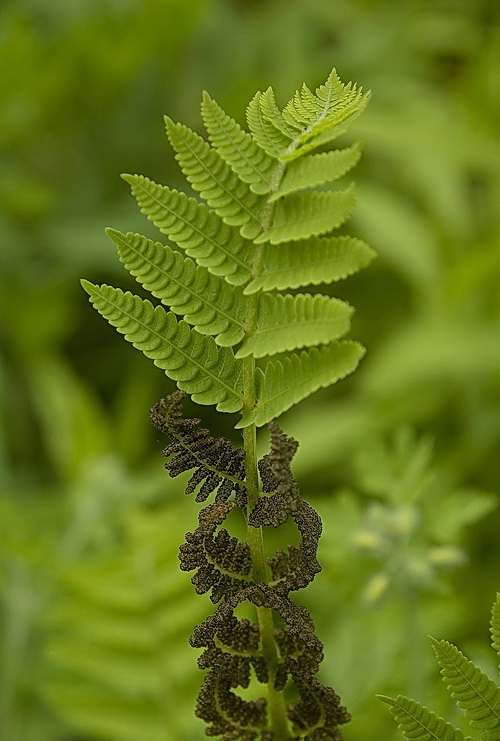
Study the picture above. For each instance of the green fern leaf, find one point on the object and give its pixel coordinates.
(420, 724)
(206, 301)
(323, 260)
(317, 169)
(210, 374)
(303, 215)
(218, 185)
(472, 690)
(288, 322)
(495, 625)
(266, 134)
(248, 160)
(285, 382)
(195, 229)
(321, 117)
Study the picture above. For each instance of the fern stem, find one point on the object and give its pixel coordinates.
(276, 700)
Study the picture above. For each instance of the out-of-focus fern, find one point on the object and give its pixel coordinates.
(115, 661)
(473, 691)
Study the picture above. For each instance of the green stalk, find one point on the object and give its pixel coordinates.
(276, 700)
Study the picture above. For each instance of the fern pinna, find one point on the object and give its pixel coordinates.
(264, 225)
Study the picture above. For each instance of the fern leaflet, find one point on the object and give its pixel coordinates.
(218, 185)
(319, 260)
(288, 381)
(495, 625)
(419, 724)
(205, 300)
(249, 161)
(472, 690)
(288, 322)
(302, 215)
(317, 169)
(267, 136)
(210, 374)
(194, 228)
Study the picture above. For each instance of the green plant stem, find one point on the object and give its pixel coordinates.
(277, 706)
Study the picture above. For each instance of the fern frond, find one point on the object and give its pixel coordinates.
(317, 169)
(249, 161)
(206, 301)
(319, 118)
(495, 625)
(302, 215)
(420, 724)
(264, 131)
(289, 322)
(286, 382)
(217, 465)
(218, 185)
(323, 260)
(195, 229)
(472, 690)
(210, 374)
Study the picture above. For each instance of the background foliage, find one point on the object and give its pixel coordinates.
(401, 460)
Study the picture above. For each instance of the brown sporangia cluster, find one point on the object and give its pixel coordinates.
(233, 654)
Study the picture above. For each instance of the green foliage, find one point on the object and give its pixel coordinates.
(473, 691)
(115, 661)
(247, 188)
(84, 91)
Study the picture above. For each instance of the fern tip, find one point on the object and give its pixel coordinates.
(87, 286)
(386, 699)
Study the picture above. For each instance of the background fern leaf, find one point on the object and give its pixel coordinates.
(210, 374)
(241, 152)
(472, 690)
(317, 169)
(323, 260)
(285, 382)
(289, 322)
(265, 133)
(420, 724)
(195, 229)
(303, 215)
(217, 184)
(206, 301)
(495, 625)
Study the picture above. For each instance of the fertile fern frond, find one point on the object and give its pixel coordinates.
(230, 197)
(420, 724)
(286, 382)
(237, 147)
(217, 466)
(317, 169)
(210, 374)
(289, 322)
(303, 215)
(319, 260)
(206, 301)
(267, 225)
(195, 228)
(472, 690)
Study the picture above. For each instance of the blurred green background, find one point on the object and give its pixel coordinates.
(401, 460)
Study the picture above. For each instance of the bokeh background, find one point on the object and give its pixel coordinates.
(402, 460)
